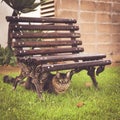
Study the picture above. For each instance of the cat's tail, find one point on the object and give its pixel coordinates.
(8, 79)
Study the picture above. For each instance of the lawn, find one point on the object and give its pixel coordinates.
(102, 104)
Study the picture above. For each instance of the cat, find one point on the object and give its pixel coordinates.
(58, 83)
(54, 83)
(8, 79)
(27, 84)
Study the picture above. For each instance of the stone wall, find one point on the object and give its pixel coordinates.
(99, 22)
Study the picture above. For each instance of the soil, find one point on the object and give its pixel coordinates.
(9, 69)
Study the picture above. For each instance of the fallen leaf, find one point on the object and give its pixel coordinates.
(80, 104)
(88, 84)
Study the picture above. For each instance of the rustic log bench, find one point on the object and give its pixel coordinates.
(44, 44)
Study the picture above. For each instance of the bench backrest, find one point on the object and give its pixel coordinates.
(43, 36)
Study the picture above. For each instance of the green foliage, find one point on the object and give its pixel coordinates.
(6, 56)
(23, 6)
(102, 104)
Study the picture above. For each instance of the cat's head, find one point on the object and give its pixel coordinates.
(63, 77)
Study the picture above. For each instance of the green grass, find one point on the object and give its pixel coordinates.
(102, 104)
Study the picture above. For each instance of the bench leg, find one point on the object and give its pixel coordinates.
(38, 86)
(18, 79)
(99, 70)
(39, 79)
(92, 74)
(23, 74)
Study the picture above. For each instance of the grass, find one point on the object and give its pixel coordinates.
(102, 104)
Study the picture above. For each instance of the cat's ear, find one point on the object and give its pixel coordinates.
(68, 74)
(58, 75)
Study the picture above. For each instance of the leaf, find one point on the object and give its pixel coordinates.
(5, 55)
(26, 10)
(11, 3)
(30, 8)
(7, 2)
(23, 6)
(42, 1)
(80, 104)
(33, 6)
(30, 3)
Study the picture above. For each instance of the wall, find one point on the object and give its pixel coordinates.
(4, 11)
(99, 22)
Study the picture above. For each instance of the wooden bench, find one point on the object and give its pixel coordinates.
(43, 45)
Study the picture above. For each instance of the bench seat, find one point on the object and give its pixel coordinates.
(80, 65)
(56, 58)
